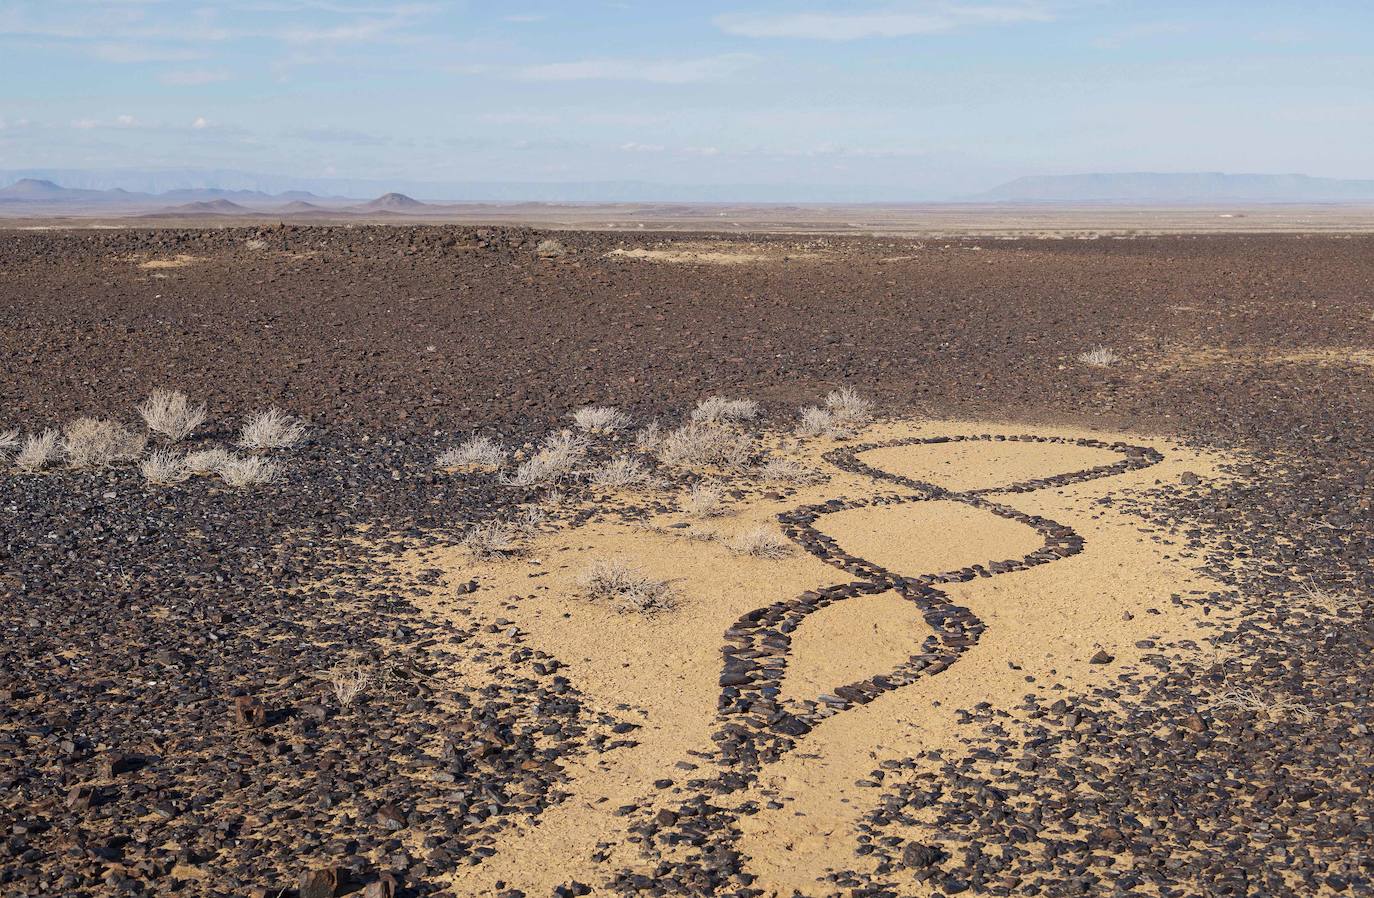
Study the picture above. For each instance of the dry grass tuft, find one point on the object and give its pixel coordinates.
(630, 589)
(9, 439)
(600, 419)
(205, 461)
(348, 682)
(705, 500)
(39, 451)
(844, 414)
(1258, 703)
(649, 438)
(697, 445)
(786, 470)
(171, 414)
(760, 542)
(271, 429)
(1098, 357)
(493, 540)
(96, 443)
(478, 452)
(249, 471)
(556, 461)
(621, 472)
(719, 410)
(164, 467)
(550, 249)
(1330, 603)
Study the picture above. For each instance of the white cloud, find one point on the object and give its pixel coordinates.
(85, 124)
(192, 77)
(928, 18)
(633, 147)
(678, 71)
(201, 123)
(124, 121)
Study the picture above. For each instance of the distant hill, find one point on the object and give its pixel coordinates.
(1194, 187)
(207, 207)
(36, 190)
(392, 202)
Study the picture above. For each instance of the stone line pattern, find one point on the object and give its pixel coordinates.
(757, 726)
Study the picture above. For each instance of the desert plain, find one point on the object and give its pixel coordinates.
(508, 562)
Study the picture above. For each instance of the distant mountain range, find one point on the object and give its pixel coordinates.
(1153, 188)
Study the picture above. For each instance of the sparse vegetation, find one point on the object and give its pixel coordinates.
(845, 413)
(1098, 357)
(550, 249)
(704, 500)
(649, 438)
(786, 470)
(719, 410)
(1255, 702)
(621, 472)
(9, 439)
(39, 451)
(1333, 604)
(171, 414)
(205, 461)
(478, 452)
(164, 467)
(556, 461)
(697, 445)
(600, 419)
(98, 443)
(348, 682)
(249, 471)
(630, 589)
(271, 429)
(492, 540)
(759, 542)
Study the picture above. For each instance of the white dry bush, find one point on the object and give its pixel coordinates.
(848, 407)
(786, 470)
(271, 429)
(1098, 357)
(626, 586)
(1328, 602)
(556, 461)
(649, 438)
(255, 244)
(164, 467)
(9, 439)
(621, 472)
(492, 540)
(759, 542)
(171, 414)
(1258, 703)
(249, 471)
(707, 445)
(705, 500)
(600, 419)
(348, 682)
(478, 452)
(205, 461)
(719, 410)
(39, 451)
(97, 443)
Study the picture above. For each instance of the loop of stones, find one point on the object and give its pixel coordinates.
(758, 726)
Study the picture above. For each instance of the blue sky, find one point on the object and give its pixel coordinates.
(931, 98)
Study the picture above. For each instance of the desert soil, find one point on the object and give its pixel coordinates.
(1043, 629)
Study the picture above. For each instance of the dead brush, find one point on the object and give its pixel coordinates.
(39, 451)
(557, 461)
(477, 452)
(649, 438)
(1098, 357)
(600, 419)
(628, 588)
(759, 542)
(163, 468)
(1332, 604)
(719, 410)
(271, 429)
(696, 445)
(9, 439)
(205, 461)
(348, 682)
(621, 472)
(786, 470)
(494, 540)
(704, 500)
(1256, 702)
(844, 414)
(97, 443)
(170, 414)
(250, 471)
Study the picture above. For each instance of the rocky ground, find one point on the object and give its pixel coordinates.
(169, 721)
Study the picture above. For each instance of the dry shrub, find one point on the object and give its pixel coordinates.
(1098, 357)
(786, 470)
(649, 438)
(205, 461)
(249, 471)
(38, 451)
(1270, 706)
(621, 472)
(97, 443)
(550, 249)
(478, 452)
(600, 419)
(492, 540)
(9, 439)
(697, 445)
(705, 500)
(759, 542)
(630, 589)
(164, 467)
(271, 429)
(349, 681)
(171, 414)
(719, 410)
(845, 412)
(556, 461)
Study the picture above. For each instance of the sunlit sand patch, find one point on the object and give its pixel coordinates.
(715, 254)
(181, 260)
(1322, 356)
(1044, 622)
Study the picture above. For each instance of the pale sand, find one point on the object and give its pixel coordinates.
(1049, 618)
(714, 253)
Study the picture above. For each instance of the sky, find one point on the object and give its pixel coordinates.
(929, 99)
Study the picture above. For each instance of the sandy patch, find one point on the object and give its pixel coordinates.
(715, 254)
(181, 260)
(1042, 625)
(1195, 359)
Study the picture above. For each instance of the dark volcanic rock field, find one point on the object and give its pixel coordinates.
(164, 729)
